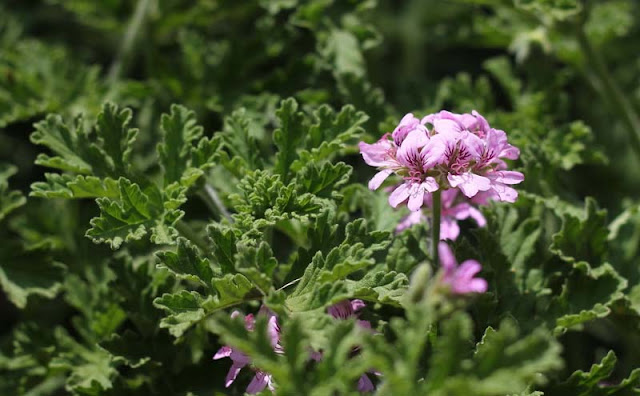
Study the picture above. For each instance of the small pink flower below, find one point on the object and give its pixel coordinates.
(455, 207)
(262, 379)
(460, 278)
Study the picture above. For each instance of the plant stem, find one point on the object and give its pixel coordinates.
(188, 232)
(611, 91)
(217, 202)
(436, 207)
(128, 43)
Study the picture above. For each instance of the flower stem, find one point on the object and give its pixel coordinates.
(436, 207)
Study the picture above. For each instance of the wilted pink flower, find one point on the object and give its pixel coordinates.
(454, 208)
(262, 379)
(461, 279)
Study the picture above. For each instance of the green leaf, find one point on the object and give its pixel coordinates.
(506, 361)
(224, 246)
(242, 141)
(334, 129)
(74, 187)
(70, 145)
(590, 383)
(587, 295)
(9, 200)
(257, 264)
(386, 287)
(554, 9)
(186, 308)
(343, 49)
(91, 369)
(26, 274)
(179, 131)
(116, 137)
(329, 134)
(39, 78)
(323, 181)
(128, 348)
(207, 151)
(608, 21)
(127, 218)
(186, 262)
(288, 137)
(450, 349)
(263, 200)
(583, 238)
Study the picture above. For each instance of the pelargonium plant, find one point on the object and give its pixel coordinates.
(446, 152)
(223, 198)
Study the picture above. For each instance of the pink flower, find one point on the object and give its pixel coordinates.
(408, 123)
(460, 151)
(461, 279)
(454, 208)
(473, 156)
(344, 310)
(412, 160)
(262, 379)
(348, 309)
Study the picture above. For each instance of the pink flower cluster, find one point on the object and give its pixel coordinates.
(343, 310)
(442, 151)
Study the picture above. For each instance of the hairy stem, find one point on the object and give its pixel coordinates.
(436, 207)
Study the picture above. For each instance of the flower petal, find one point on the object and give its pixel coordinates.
(504, 193)
(433, 152)
(506, 177)
(413, 218)
(365, 384)
(377, 153)
(399, 195)
(357, 305)
(469, 183)
(416, 199)
(379, 178)
(232, 374)
(341, 310)
(223, 352)
(468, 269)
(449, 229)
(447, 259)
(446, 127)
(477, 285)
(259, 382)
(477, 215)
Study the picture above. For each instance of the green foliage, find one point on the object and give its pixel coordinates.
(9, 200)
(147, 223)
(23, 274)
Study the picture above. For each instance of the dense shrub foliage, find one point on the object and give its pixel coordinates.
(184, 201)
